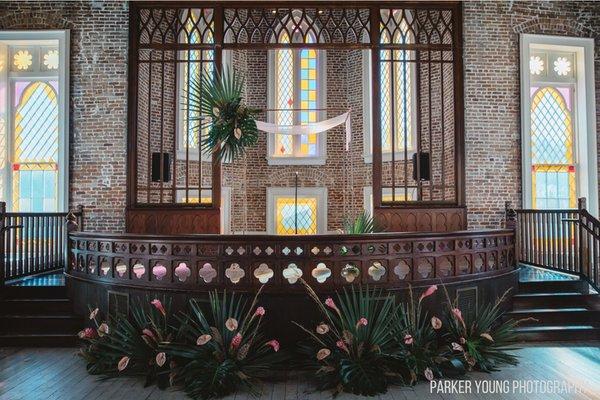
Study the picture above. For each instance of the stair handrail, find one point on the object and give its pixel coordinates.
(548, 238)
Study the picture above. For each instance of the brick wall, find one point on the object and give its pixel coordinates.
(98, 105)
(492, 92)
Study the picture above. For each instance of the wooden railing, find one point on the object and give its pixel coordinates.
(565, 240)
(31, 243)
(244, 262)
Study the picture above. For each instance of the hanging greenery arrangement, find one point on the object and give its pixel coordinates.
(216, 105)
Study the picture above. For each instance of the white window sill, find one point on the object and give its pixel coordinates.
(387, 157)
(296, 160)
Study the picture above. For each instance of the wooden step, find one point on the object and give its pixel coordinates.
(555, 317)
(40, 324)
(549, 300)
(35, 306)
(578, 286)
(557, 333)
(41, 340)
(34, 292)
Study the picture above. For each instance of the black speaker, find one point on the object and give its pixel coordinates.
(166, 177)
(424, 169)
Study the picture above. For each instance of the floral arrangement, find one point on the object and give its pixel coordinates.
(353, 349)
(224, 350)
(364, 342)
(367, 342)
(217, 104)
(482, 341)
(130, 347)
(362, 223)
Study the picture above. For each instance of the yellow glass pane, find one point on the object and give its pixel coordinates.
(312, 139)
(312, 74)
(296, 218)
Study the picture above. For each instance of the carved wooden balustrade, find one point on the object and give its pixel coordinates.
(328, 262)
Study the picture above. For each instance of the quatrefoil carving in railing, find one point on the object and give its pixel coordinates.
(292, 273)
(139, 270)
(402, 269)
(159, 271)
(235, 273)
(321, 273)
(350, 272)
(376, 271)
(207, 273)
(263, 273)
(182, 272)
(121, 268)
(104, 267)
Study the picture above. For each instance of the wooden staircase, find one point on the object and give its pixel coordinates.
(558, 310)
(37, 316)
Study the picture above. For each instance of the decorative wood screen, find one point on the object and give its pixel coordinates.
(416, 75)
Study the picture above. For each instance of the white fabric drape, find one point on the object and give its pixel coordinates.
(313, 127)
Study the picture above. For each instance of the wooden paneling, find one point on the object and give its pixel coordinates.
(172, 221)
(408, 219)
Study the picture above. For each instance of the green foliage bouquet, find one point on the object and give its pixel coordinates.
(217, 104)
(224, 350)
(124, 346)
(353, 350)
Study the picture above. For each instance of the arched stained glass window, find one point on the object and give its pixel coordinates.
(197, 63)
(35, 166)
(396, 93)
(285, 96)
(552, 148)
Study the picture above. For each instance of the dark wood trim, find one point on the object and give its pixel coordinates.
(375, 108)
(132, 94)
(459, 113)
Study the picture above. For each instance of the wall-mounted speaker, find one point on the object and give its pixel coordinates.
(424, 166)
(166, 172)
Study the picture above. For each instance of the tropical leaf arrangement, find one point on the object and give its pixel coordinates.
(216, 105)
(130, 346)
(223, 350)
(362, 223)
(367, 342)
(351, 349)
(364, 342)
(482, 341)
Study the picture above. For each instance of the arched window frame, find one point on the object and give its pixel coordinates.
(182, 83)
(367, 78)
(584, 114)
(53, 38)
(321, 82)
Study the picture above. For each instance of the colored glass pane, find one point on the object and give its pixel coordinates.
(552, 149)
(35, 168)
(289, 213)
(308, 97)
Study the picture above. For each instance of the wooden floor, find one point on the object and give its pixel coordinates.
(40, 374)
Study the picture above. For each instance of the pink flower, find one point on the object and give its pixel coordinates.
(156, 303)
(93, 313)
(428, 374)
(231, 324)
(430, 290)
(323, 354)
(322, 329)
(160, 359)
(436, 323)
(408, 339)
(203, 339)
(123, 362)
(329, 303)
(260, 311)
(87, 333)
(341, 345)
(362, 322)
(274, 344)
(103, 329)
(457, 347)
(236, 341)
(148, 332)
(458, 316)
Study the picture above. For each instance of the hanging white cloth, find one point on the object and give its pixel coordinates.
(313, 127)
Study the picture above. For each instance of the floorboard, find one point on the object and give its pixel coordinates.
(59, 374)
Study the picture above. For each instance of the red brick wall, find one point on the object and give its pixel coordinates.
(98, 106)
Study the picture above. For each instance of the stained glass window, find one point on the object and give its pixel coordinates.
(296, 218)
(396, 94)
(296, 77)
(33, 122)
(199, 63)
(552, 148)
(35, 167)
